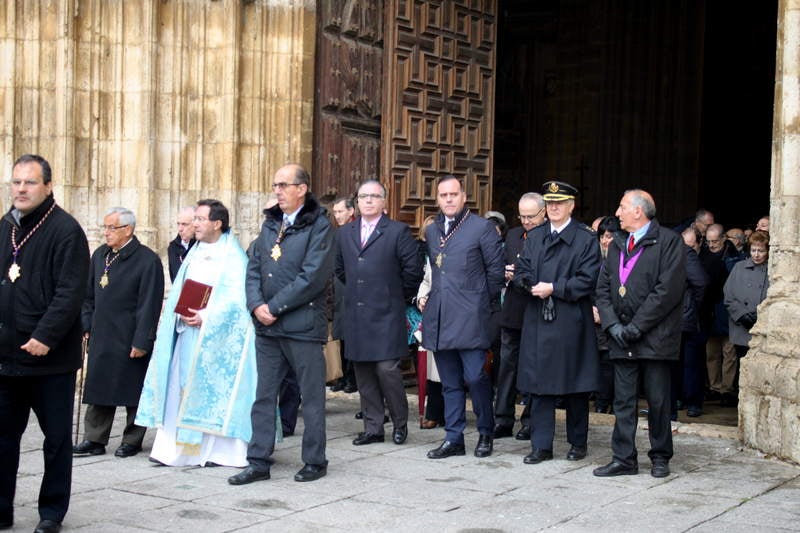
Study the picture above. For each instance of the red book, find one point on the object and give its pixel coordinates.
(194, 295)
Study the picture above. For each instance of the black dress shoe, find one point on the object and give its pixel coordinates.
(248, 475)
(88, 447)
(447, 449)
(660, 468)
(127, 450)
(47, 526)
(311, 472)
(576, 453)
(338, 386)
(359, 415)
(524, 433)
(501, 431)
(615, 468)
(367, 438)
(537, 456)
(399, 435)
(350, 388)
(485, 446)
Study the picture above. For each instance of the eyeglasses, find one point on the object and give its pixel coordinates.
(113, 228)
(531, 217)
(371, 196)
(281, 185)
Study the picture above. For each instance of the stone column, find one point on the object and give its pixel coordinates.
(769, 404)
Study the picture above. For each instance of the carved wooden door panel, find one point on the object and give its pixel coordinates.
(347, 108)
(438, 105)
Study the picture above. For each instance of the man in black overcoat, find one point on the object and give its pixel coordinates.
(466, 275)
(124, 294)
(378, 264)
(640, 301)
(558, 356)
(183, 241)
(531, 214)
(44, 260)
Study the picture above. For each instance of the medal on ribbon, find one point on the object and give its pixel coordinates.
(625, 268)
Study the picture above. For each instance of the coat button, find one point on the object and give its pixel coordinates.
(269, 275)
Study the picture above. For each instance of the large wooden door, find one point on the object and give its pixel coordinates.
(438, 104)
(347, 108)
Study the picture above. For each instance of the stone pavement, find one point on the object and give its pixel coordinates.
(715, 485)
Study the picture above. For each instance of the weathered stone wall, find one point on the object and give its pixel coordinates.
(769, 406)
(154, 104)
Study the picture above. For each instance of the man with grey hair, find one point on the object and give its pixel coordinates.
(639, 297)
(123, 301)
(180, 245)
(531, 214)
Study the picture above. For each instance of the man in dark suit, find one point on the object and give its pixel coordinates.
(290, 266)
(640, 301)
(44, 266)
(377, 261)
(124, 296)
(180, 245)
(558, 356)
(531, 214)
(466, 275)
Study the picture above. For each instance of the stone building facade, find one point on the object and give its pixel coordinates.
(153, 104)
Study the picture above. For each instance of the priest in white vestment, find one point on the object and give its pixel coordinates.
(201, 381)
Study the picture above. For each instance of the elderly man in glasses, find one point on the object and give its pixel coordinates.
(531, 214)
(120, 314)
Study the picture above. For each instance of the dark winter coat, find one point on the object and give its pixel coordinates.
(745, 288)
(118, 317)
(378, 279)
(696, 283)
(44, 303)
(293, 286)
(471, 274)
(559, 356)
(175, 254)
(653, 299)
(515, 298)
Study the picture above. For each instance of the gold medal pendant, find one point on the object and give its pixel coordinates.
(14, 272)
(276, 252)
(622, 290)
(439, 260)
(103, 281)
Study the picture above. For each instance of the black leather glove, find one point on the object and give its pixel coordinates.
(748, 319)
(615, 332)
(631, 333)
(548, 309)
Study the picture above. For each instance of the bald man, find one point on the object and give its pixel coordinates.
(640, 302)
(179, 246)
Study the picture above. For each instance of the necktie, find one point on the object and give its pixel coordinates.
(554, 236)
(366, 230)
(447, 223)
(630, 244)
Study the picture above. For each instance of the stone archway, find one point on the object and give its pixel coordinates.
(769, 404)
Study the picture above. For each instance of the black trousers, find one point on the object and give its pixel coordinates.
(505, 398)
(275, 356)
(51, 398)
(289, 402)
(99, 419)
(656, 381)
(543, 419)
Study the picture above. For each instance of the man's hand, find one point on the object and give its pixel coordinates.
(194, 319)
(421, 303)
(137, 353)
(509, 272)
(263, 315)
(631, 333)
(542, 290)
(35, 347)
(596, 315)
(615, 332)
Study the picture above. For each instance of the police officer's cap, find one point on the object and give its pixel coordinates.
(558, 191)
